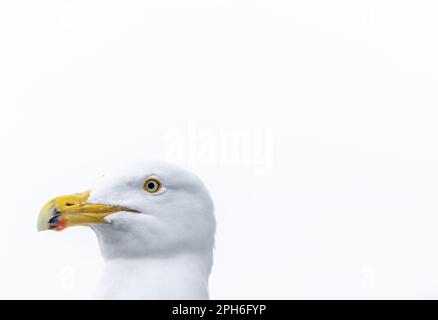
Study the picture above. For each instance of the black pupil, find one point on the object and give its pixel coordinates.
(151, 185)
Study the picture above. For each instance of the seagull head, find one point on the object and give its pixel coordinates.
(149, 209)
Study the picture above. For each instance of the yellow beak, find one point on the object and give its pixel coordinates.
(73, 210)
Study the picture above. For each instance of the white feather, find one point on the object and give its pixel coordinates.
(165, 250)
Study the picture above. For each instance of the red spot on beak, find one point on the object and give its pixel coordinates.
(62, 224)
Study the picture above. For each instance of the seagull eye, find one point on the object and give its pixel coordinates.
(152, 185)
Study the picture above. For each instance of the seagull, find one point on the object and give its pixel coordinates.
(155, 226)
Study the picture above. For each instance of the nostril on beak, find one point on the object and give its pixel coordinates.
(68, 204)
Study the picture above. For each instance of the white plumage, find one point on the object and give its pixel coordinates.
(163, 250)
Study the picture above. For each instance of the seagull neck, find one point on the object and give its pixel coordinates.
(179, 276)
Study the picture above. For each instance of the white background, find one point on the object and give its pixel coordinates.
(336, 193)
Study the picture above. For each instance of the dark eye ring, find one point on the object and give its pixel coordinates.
(152, 185)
